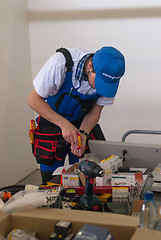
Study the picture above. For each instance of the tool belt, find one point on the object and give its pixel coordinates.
(47, 142)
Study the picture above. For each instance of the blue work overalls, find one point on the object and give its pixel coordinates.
(73, 106)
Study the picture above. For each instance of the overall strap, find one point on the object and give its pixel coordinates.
(68, 58)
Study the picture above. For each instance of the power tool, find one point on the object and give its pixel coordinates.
(90, 201)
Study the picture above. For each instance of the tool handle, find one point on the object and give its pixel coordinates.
(31, 135)
(89, 186)
(31, 132)
(32, 125)
(79, 145)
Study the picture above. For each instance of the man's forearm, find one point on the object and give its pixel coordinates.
(38, 104)
(69, 131)
(91, 119)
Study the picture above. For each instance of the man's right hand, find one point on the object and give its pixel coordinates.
(70, 133)
(75, 149)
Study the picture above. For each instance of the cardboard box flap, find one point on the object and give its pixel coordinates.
(5, 223)
(136, 206)
(3, 216)
(95, 217)
(146, 234)
(71, 168)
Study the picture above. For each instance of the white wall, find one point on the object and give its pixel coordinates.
(16, 160)
(132, 27)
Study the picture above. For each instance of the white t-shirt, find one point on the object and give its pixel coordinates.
(51, 77)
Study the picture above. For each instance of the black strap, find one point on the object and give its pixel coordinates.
(68, 58)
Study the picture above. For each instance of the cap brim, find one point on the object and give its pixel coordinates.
(106, 89)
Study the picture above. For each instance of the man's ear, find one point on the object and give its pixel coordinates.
(90, 65)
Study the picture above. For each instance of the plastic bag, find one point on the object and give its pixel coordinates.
(1, 203)
(29, 199)
(21, 235)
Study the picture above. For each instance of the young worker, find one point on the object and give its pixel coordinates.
(69, 94)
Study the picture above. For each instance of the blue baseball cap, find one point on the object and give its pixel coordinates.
(109, 65)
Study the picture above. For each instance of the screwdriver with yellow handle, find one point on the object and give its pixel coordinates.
(32, 125)
(79, 145)
(31, 133)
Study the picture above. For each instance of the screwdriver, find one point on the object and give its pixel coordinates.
(79, 147)
(31, 133)
(32, 125)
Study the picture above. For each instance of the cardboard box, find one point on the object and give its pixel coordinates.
(110, 165)
(114, 161)
(106, 179)
(43, 220)
(146, 234)
(122, 180)
(136, 207)
(70, 178)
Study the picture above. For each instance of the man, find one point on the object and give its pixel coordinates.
(69, 94)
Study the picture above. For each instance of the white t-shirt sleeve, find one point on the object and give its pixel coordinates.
(51, 76)
(104, 101)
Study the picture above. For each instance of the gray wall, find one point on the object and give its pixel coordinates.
(16, 160)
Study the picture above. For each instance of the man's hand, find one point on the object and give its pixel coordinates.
(88, 123)
(75, 148)
(70, 133)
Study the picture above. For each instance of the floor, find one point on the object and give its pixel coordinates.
(33, 178)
